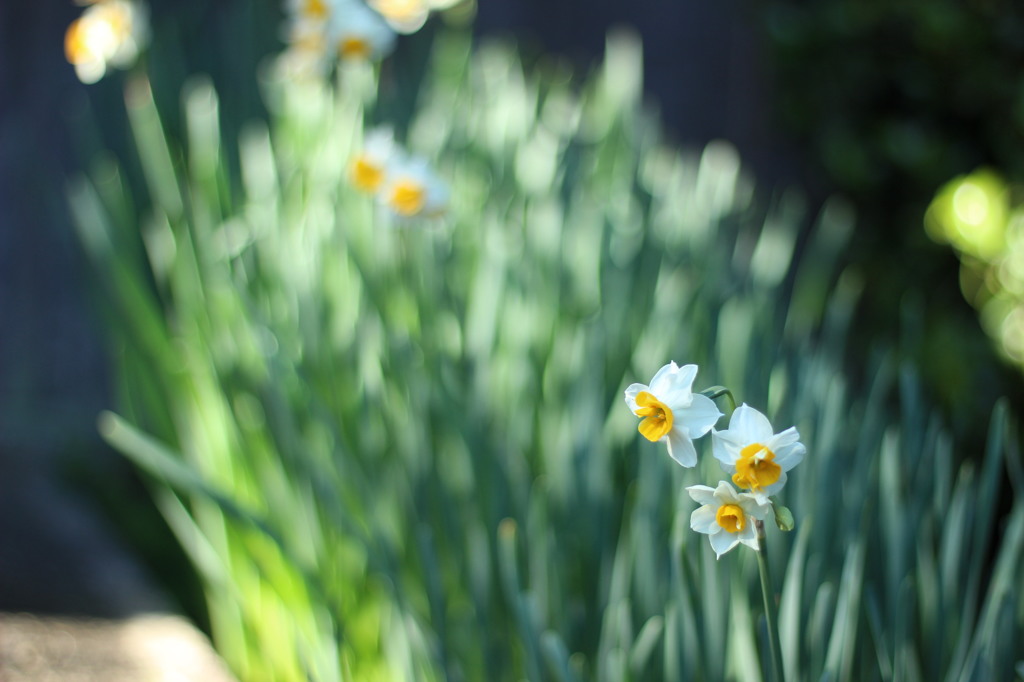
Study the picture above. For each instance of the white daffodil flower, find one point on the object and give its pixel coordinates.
(672, 412)
(310, 10)
(404, 16)
(305, 30)
(409, 16)
(307, 53)
(109, 33)
(358, 33)
(756, 456)
(413, 189)
(726, 516)
(369, 168)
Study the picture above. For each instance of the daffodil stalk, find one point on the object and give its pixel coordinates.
(771, 614)
(757, 458)
(716, 392)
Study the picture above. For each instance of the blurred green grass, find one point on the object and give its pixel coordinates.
(403, 454)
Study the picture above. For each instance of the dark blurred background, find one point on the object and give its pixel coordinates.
(879, 101)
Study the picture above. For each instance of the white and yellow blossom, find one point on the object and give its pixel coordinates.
(671, 412)
(368, 170)
(404, 16)
(306, 34)
(109, 33)
(310, 10)
(413, 189)
(408, 186)
(756, 456)
(408, 16)
(322, 32)
(726, 516)
(356, 32)
(307, 53)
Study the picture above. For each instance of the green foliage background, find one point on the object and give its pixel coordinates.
(404, 454)
(888, 102)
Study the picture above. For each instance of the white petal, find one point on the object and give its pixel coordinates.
(674, 383)
(748, 536)
(750, 425)
(631, 393)
(703, 494)
(676, 398)
(661, 376)
(726, 494)
(788, 456)
(756, 505)
(725, 450)
(783, 438)
(686, 375)
(356, 20)
(680, 448)
(761, 496)
(404, 17)
(700, 416)
(379, 144)
(722, 542)
(90, 71)
(703, 519)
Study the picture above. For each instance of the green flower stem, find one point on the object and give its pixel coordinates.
(716, 392)
(770, 609)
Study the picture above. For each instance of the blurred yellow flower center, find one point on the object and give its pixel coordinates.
(657, 416)
(316, 8)
(77, 47)
(367, 175)
(407, 197)
(354, 47)
(98, 33)
(731, 518)
(119, 19)
(756, 468)
(400, 9)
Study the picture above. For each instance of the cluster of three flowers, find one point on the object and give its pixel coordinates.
(756, 457)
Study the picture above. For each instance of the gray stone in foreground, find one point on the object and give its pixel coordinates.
(57, 556)
(149, 648)
(95, 616)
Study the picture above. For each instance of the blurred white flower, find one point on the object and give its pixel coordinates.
(320, 32)
(757, 458)
(359, 33)
(408, 186)
(726, 516)
(306, 55)
(672, 412)
(411, 188)
(408, 16)
(368, 170)
(109, 33)
(404, 16)
(310, 10)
